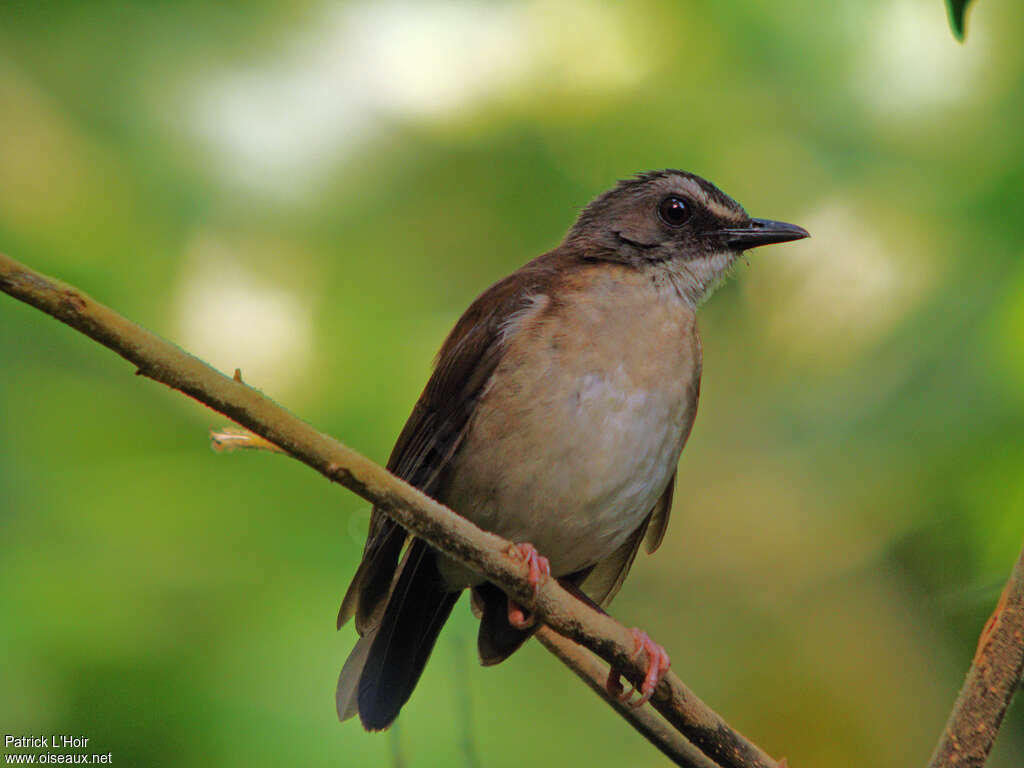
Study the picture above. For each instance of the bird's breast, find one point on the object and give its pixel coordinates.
(580, 428)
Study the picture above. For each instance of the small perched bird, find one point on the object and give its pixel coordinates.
(555, 416)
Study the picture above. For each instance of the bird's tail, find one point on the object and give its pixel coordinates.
(386, 663)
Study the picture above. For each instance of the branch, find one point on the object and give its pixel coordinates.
(422, 516)
(993, 679)
(646, 722)
(649, 724)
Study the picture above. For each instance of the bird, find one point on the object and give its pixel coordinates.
(555, 417)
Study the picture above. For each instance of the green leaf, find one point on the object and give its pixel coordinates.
(957, 9)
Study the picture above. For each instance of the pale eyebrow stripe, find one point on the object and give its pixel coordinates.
(722, 211)
(696, 191)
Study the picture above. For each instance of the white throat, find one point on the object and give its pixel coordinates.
(697, 279)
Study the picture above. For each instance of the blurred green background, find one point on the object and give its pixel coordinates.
(313, 192)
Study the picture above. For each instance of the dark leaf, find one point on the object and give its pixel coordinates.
(957, 9)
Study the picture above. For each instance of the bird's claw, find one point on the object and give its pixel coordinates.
(518, 616)
(540, 569)
(658, 664)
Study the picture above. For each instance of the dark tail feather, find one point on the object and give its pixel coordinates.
(368, 591)
(415, 613)
(497, 639)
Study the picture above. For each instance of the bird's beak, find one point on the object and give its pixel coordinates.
(761, 232)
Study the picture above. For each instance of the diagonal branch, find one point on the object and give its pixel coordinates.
(421, 515)
(647, 722)
(584, 664)
(993, 679)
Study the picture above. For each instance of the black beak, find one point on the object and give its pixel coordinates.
(761, 232)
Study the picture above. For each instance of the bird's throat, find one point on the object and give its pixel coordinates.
(697, 279)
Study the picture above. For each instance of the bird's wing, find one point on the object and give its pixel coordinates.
(659, 518)
(438, 422)
(604, 582)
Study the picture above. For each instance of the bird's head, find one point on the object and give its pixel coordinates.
(677, 219)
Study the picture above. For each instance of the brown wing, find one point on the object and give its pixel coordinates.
(659, 518)
(435, 428)
(604, 582)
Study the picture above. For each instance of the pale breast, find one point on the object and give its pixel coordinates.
(579, 430)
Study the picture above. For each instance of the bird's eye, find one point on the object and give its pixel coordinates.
(674, 211)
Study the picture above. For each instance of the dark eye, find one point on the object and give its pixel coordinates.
(674, 211)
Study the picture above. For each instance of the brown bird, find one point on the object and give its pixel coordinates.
(555, 416)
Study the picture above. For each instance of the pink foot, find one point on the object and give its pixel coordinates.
(540, 569)
(518, 617)
(658, 663)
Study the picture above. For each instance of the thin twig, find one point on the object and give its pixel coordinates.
(464, 700)
(644, 720)
(227, 439)
(395, 739)
(436, 524)
(993, 679)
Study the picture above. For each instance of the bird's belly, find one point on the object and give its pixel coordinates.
(572, 463)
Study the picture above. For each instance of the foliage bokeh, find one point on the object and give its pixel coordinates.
(314, 192)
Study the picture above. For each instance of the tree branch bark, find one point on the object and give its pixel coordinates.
(587, 667)
(993, 679)
(646, 721)
(455, 536)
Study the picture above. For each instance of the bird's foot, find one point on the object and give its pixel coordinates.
(658, 663)
(519, 617)
(540, 569)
